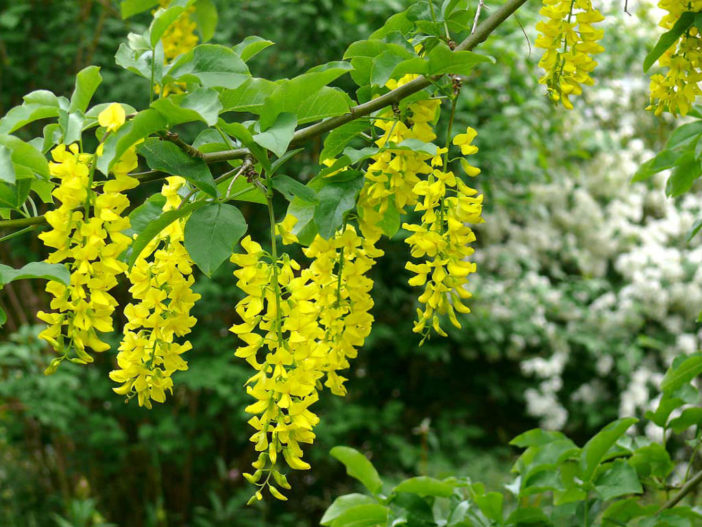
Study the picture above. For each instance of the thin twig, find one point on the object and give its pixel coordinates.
(477, 15)
(185, 147)
(684, 491)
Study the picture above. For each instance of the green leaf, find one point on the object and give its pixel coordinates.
(291, 188)
(536, 437)
(528, 516)
(26, 159)
(163, 19)
(364, 515)
(652, 460)
(686, 170)
(242, 190)
(374, 48)
(277, 137)
(383, 65)
(39, 104)
(668, 39)
(87, 81)
(305, 229)
(596, 448)
(338, 138)
(327, 102)
(342, 504)
(3, 317)
(212, 66)
(491, 505)
(154, 227)
(43, 270)
(211, 234)
(694, 230)
(622, 512)
(142, 125)
(202, 104)
(139, 61)
(664, 160)
(358, 467)
(13, 196)
(248, 97)
(425, 486)
(684, 135)
(290, 94)
(665, 407)
(336, 198)
(251, 46)
(144, 214)
(280, 162)
(133, 7)
(391, 220)
(206, 18)
(240, 132)
(677, 376)
(619, 479)
(442, 60)
(689, 417)
(167, 157)
(7, 168)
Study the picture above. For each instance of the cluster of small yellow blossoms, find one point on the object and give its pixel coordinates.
(677, 89)
(148, 355)
(310, 326)
(90, 246)
(181, 36)
(391, 177)
(443, 238)
(569, 41)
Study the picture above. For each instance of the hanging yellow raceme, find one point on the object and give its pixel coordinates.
(393, 173)
(89, 246)
(279, 321)
(676, 90)
(570, 41)
(442, 239)
(161, 283)
(180, 37)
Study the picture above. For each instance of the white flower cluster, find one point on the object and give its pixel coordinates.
(592, 279)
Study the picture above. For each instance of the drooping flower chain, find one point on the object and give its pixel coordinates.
(569, 41)
(443, 239)
(161, 282)
(676, 91)
(89, 246)
(391, 177)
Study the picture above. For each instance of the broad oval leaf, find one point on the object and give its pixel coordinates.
(211, 234)
(358, 466)
(43, 270)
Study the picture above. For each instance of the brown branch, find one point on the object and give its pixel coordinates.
(480, 35)
(684, 491)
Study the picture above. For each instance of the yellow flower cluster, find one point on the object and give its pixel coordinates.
(179, 38)
(443, 238)
(391, 177)
(148, 355)
(569, 41)
(310, 326)
(677, 89)
(90, 246)
(341, 289)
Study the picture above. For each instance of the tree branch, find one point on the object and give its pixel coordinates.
(480, 35)
(684, 491)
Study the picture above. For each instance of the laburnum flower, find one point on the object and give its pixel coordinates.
(304, 325)
(279, 323)
(569, 40)
(676, 90)
(393, 173)
(161, 283)
(180, 37)
(442, 239)
(89, 246)
(338, 283)
(112, 117)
